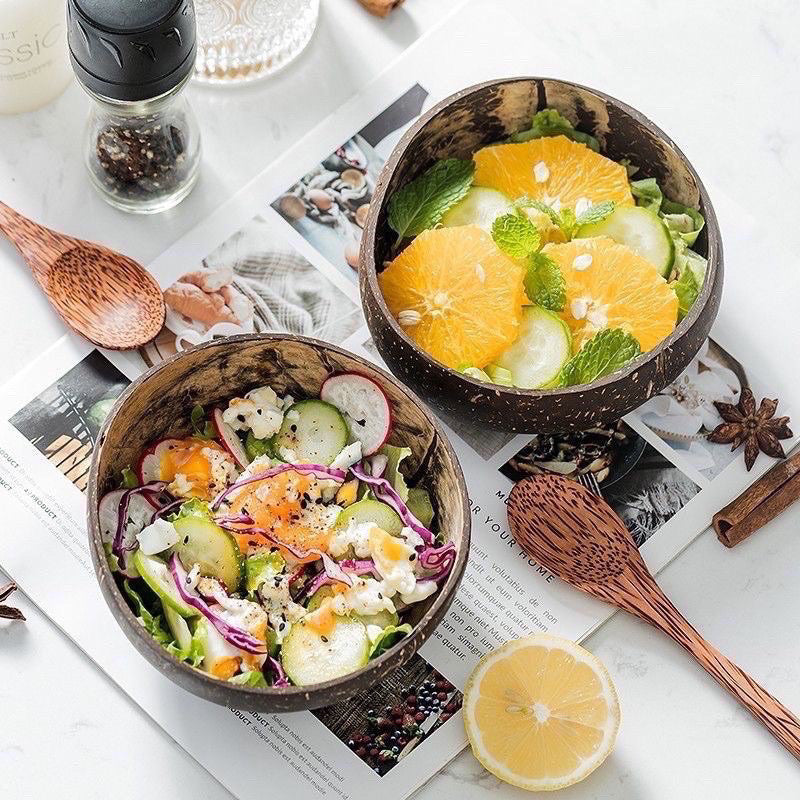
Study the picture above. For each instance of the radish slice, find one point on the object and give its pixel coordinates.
(139, 515)
(364, 405)
(149, 467)
(230, 441)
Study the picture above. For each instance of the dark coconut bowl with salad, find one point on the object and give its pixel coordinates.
(539, 256)
(275, 523)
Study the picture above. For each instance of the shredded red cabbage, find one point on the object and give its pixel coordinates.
(164, 510)
(384, 491)
(438, 559)
(316, 469)
(231, 633)
(118, 546)
(279, 679)
(241, 519)
(351, 565)
(378, 464)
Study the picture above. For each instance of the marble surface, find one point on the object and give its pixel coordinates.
(722, 80)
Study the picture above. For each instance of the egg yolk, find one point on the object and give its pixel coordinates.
(186, 458)
(287, 506)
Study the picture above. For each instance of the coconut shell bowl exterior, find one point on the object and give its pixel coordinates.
(487, 113)
(160, 403)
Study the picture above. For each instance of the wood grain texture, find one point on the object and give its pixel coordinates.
(160, 403)
(103, 295)
(489, 112)
(579, 538)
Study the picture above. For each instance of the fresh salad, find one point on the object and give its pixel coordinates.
(540, 263)
(280, 543)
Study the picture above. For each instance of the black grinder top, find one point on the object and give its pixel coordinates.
(131, 49)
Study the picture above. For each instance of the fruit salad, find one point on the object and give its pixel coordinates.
(280, 543)
(540, 263)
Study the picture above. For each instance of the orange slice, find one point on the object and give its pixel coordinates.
(610, 286)
(554, 170)
(541, 713)
(456, 294)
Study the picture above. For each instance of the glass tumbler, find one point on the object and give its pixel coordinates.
(242, 40)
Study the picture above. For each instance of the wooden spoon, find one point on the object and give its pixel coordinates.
(579, 538)
(106, 297)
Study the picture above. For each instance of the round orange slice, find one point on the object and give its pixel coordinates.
(541, 713)
(456, 294)
(610, 286)
(554, 170)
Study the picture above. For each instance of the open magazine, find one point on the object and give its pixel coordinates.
(282, 256)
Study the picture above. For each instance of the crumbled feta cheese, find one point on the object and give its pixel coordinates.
(193, 577)
(281, 610)
(413, 539)
(582, 262)
(259, 410)
(480, 273)
(582, 205)
(540, 172)
(597, 317)
(355, 535)
(244, 614)
(288, 455)
(181, 486)
(421, 591)
(157, 537)
(349, 455)
(223, 468)
(373, 632)
(578, 307)
(553, 202)
(366, 596)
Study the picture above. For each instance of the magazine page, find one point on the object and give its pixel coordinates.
(281, 256)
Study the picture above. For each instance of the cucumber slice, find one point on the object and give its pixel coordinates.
(499, 375)
(480, 206)
(316, 599)
(368, 510)
(313, 432)
(419, 504)
(641, 230)
(311, 657)
(178, 627)
(202, 542)
(543, 346)
(157, 576)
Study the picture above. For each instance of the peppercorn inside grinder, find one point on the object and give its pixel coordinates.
(134, 60)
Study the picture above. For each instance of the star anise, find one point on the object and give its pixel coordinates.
(758, 429)
(7, 612)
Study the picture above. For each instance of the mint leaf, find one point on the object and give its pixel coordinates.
(550, 122)
(203, 428)
(529, 202)
(595, 213)
(544, 283)
(647, 193)
(419, 205)
(606, 352)
(129, 479)
(515, 235)
(686, 289)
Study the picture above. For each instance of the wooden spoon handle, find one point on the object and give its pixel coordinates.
(39, 246)
(779, 721)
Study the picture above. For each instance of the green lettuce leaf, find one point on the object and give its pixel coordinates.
(647, 193)
(419, 504)
(682, 221)
(252, 678)
(152, 623)
(392, 473)
(262, 568)
(113, 561)
(606, 352)
(420, 205)
(686, 289)
(203, 428)
(387, 638)
(195, 507)
(550, 122)
(129, 479)
(544, 283)
(515, 235)
(255, 448)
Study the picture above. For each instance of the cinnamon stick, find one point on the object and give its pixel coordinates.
(771, 494)
(380, 8)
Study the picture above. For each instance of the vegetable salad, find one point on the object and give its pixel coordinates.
(280, 544)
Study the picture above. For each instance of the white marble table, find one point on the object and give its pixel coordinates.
(721, 77)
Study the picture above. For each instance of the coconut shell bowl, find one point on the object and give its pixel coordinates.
(160, 403)
(487, 113)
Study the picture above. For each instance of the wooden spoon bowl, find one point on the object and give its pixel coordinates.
(106, 297)
(580, 538)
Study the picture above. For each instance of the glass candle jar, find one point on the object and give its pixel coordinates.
(134, 60)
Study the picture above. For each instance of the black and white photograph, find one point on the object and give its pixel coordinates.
(252, 283)
(328, 205)
(63, 421)
(395, 716)
(639, 483)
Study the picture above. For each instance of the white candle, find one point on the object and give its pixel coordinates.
(34, 65)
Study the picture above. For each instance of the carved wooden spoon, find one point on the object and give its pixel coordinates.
(104, 296)
(579, 538)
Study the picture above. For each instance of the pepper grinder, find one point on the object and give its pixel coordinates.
(134, 59)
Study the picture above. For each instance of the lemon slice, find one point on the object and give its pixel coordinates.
(541, 713)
